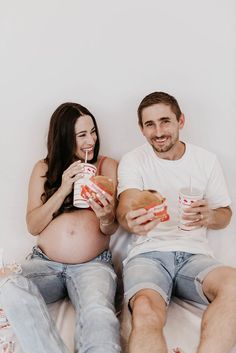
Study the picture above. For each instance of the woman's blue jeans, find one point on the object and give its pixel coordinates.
(91, 288)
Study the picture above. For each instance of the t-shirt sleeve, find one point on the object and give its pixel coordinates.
(129, 176)
(217, 192)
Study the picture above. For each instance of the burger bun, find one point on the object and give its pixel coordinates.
(153, 202)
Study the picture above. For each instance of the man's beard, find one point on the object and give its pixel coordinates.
(166, 148)
(163, 149)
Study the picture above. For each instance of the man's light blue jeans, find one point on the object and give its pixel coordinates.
(91, 288)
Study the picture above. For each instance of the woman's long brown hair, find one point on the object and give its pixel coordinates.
(61, 146)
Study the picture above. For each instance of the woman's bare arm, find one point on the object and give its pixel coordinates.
(39, 215)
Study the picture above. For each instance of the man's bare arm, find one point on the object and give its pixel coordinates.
(219, 218)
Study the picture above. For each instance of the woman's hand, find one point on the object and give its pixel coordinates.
(69, 176)
(102, 204)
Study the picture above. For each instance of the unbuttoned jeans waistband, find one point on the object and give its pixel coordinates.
(105, 256)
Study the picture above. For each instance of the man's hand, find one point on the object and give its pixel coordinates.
(198, 214)
(201, 215)
(140, 221)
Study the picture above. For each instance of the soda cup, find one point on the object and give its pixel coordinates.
(186, 197)
(89, 170)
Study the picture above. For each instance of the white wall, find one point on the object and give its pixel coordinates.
(107, 55)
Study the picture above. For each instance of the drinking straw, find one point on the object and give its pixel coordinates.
(86, 156)
(190, 184)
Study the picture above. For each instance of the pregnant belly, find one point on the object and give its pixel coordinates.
(73, 238)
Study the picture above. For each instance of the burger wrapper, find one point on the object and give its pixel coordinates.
(92, 189)
(160, 211)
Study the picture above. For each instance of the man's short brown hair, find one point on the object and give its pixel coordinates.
(157, 98)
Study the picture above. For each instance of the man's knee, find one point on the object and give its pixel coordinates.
(220, 282)
(228, 284)
(148, 312)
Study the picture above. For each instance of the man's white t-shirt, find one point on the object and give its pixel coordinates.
(142, 169)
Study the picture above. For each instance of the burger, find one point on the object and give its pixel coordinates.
(103, 183)
(153, 202)
(98, 184)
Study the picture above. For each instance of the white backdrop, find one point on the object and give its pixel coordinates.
(107, 55)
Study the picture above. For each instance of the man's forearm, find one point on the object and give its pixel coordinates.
(219, 218)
